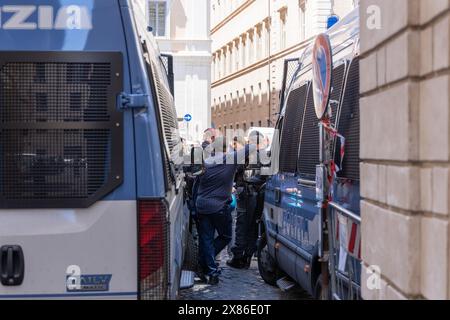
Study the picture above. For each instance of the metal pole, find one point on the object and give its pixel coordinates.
(325, 144)
(331, 245)
(269, 95)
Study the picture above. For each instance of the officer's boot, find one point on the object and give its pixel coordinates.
(237, 262)
(247, 261)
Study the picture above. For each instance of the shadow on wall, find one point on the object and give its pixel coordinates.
(178, 19)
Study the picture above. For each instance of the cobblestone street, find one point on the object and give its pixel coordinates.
(240, 285)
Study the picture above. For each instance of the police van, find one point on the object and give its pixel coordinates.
(91, 201)
(291, 248)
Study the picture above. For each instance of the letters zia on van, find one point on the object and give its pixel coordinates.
(72, 17)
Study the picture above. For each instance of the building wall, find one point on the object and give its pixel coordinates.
(405, 87)
(250, 41)
(341, 8)
(187, 39)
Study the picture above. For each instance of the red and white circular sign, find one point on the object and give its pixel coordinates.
(322, 65)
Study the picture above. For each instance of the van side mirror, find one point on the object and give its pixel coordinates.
(194, 162)
(168, 64)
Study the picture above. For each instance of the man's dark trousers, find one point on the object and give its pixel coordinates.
(246, 228)
(208, 224)
(250, 205)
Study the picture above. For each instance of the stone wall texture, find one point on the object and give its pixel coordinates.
(405, 147)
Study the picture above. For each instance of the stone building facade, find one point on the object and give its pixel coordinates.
(405, 86)
(250, 41)
(181, 28)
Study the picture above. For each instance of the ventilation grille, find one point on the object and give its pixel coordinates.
(54, 92)
(290, 68)
(169, 119)
(309, 146)
(291, 130)
(168, 113)
(53, 164)
(61, 138)
(337, 84)
(349, 125)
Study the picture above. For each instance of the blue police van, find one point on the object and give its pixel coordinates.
(91, 199)
(291, 245)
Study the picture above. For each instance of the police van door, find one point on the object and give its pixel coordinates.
(68, 224)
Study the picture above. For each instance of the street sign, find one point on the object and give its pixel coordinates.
(332, 20)
(322, 70)
(188, 118)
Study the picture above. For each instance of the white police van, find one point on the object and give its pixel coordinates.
(91, 201)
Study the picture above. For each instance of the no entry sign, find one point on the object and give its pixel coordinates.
(322, 70)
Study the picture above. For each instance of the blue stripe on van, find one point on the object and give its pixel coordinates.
(67, 295)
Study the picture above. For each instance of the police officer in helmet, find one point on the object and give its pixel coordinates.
(250, 202)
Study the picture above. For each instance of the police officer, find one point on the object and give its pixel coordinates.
(250, 202)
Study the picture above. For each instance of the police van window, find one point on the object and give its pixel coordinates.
(290, 138)
(349, 125)
(309, 144)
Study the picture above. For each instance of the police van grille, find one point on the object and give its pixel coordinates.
(54, 92)
(53, 164)
(309, 146)
(291, 129)
(349, 125)
(337, 84)
(61, 135)
(168, 118)
(290, 70)
(168, 113)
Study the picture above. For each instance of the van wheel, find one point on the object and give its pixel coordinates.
(191, 256)
(267, 266)
(318, 289)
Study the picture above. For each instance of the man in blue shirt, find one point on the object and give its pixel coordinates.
(213, 203)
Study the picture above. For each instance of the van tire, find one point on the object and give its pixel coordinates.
(267, 266)
(191, 256)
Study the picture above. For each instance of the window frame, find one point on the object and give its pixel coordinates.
(302, 19)
(283, 12)
(155, 29)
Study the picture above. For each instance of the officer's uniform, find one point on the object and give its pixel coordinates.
(250, 203)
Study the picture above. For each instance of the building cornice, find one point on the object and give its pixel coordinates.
(232, 15)
(183, 40)
(262, 63)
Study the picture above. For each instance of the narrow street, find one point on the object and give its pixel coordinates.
(240, 285)
(142, 141)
